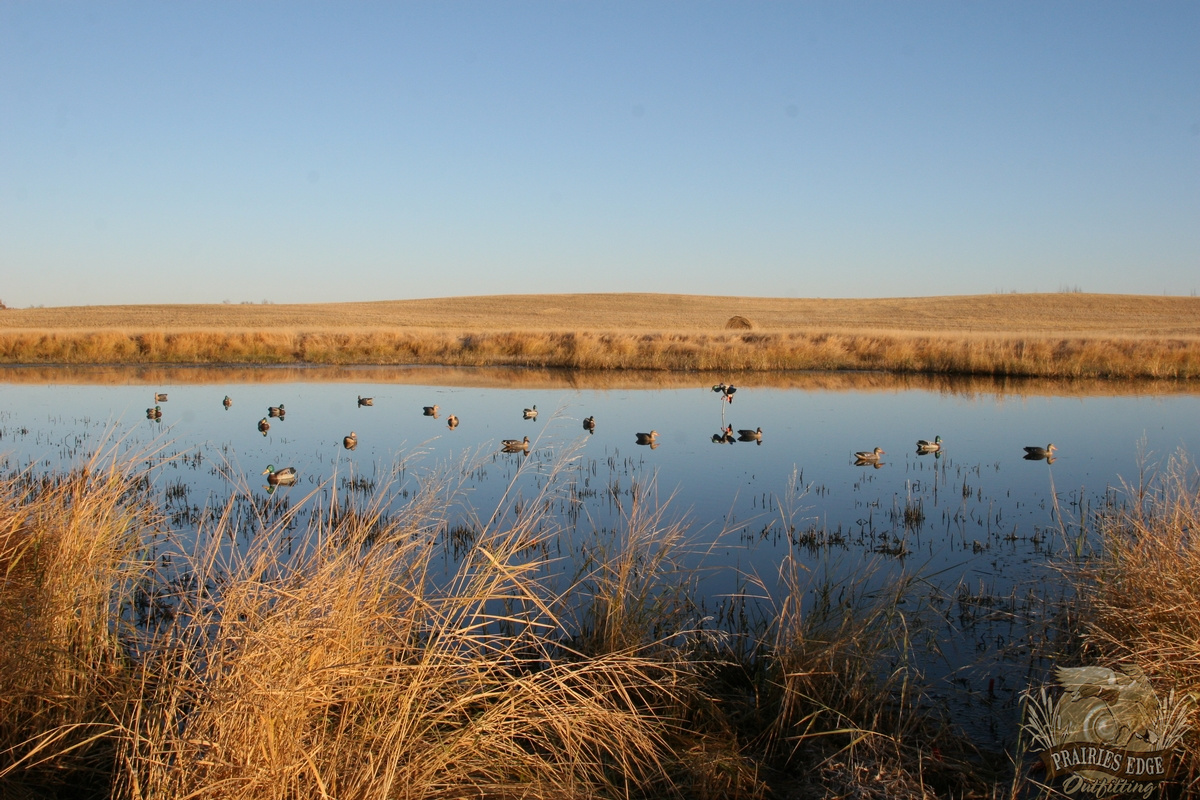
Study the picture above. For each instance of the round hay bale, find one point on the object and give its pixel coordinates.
(739, 323)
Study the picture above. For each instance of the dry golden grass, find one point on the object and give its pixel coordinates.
(1063, 335)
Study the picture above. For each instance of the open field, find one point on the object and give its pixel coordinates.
(1050, 335)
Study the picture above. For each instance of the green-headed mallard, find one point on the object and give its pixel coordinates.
(452, 422)
(515, 444)
(869, 455)
(280, 477)
(366, 401)
(350, 442)
(264, 426)
(530, 413)
(925, 446)
(276, 411)
(154, 413)
(431, 411)
(747, 435)
(1039, 452)
(227, 402)
(589, 424)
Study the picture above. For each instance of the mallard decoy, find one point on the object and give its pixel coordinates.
(513, 445)
(227, 402)
(160, 397)
(589, 424)
(724, 437)
(726, 391)
(283, 477)
(451, 422)
(1039, 452)
(350, 442)
(747, 435)
(530, 413)
(924, 446)
(869, 455)
(647, 438)
(276, 411)
(366, 401)
(154, 413)
(431, 411)
(264, 426)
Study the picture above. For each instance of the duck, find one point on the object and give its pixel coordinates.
(513, 445)
(726, 391)
(724, 437)
(282, 477)
(451, 422)
(589, 424)
(264, 426)
(366, 401)
(227, 402)
(276, 411)
(647, 438)
(1040, 452)
(530, 413)
(747, 435)
(154, 413)
(431, 411)
(924, 446)
(160, 397)
(350, 442)
(869, 455)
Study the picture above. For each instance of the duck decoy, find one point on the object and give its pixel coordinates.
(924, 446)
(431, 411)
(350, 442)
(282, 477)
(530, 413)
(366, 401)
(227, 402)
(515, 445)
(589, 424)
(160, 397)
(726, 391)
(276, 411)
(747, 435)
(647, 438)
(724, 437)
(869, 455)
(264, 426)
(154, 413)
(451, 422)
(1039, 452)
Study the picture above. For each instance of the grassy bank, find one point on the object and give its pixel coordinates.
(1065, 335)
(345, 671)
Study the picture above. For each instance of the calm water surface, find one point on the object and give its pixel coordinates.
(990, 527)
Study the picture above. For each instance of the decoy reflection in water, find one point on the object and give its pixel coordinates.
(530, 413)
(1035, 453)
(264, 426)
(747, 435)
(366, 401)
(160, 397)
(924, 446)
(515, 445)
(589, 424)
(452, 422)
(276, 411)
(724, 437)
(154, 413)
(227, 402)
(350, 442)
(280, 477)
(869, 455)
(868, 462)
(431, 411)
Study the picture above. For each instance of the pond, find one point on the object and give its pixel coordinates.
(983, 526)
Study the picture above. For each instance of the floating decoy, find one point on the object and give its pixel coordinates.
(431, 411)
(350, 442)
(366, 401)
(154, 413)
(647, 438)
(530, 413)
(924, 446)
(282, 477)
(160, 397)
(513, 445)
(869, 455)
(726, 391)
(1039, 452)
(276, 411)
(227, 402)
(264, 426)
(747, 435)
(451, 422)
(589, 424)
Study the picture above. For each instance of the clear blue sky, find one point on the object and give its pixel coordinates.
(302, 152)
